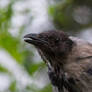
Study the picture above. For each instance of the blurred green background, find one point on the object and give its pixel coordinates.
(21, 68)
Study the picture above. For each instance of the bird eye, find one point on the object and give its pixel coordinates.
(57, 40)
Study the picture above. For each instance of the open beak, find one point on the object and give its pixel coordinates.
(34, 39)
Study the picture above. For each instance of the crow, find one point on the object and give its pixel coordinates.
(68, 58)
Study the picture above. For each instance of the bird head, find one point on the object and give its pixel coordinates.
(52, 43)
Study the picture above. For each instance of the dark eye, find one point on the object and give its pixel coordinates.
(57, 40)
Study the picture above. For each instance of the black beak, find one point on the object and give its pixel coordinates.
(34, 39)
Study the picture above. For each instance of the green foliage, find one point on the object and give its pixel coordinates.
(11, 45)
(5, 17)
(63, 14)
(7, 41)
(12, 87)
(33, 67)
(48, 87)
(16, 48)
(3, 69)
